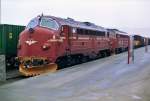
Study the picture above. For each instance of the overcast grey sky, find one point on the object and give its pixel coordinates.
(129, 15)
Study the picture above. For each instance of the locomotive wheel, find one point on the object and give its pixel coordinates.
(104, 54)
(62, 62)
(85, 59)
(66, 61)
(108, 53)
(33, 71)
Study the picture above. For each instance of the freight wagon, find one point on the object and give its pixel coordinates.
(8, 42)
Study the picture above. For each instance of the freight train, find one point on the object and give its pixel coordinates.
(49, 43)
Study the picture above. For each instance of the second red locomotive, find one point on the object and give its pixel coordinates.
(49, 43)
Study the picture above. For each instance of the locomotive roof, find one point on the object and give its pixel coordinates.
(78, 24)
(118, 31)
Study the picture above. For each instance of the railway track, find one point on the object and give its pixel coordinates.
(12, 76)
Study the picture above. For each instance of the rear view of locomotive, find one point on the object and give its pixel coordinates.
(36, 50)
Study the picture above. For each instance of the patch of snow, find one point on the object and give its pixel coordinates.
(136, 97)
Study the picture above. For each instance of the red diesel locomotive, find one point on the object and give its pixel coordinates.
(49, 43)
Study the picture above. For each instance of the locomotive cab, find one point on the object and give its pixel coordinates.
(36, 47)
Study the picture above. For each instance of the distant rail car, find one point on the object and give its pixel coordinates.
(9, 35)
(139, 41)
(49, 43)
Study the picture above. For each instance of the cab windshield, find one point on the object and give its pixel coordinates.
(43, 22)
(33, 23)
(49, 23)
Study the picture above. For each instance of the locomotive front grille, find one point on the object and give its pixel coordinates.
(33, 61)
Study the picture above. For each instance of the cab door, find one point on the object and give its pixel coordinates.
(64, 35)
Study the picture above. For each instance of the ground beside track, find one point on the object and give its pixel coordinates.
(108, 79)
(12, 75)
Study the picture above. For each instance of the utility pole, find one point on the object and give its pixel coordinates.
(130, 50)
(146, 44)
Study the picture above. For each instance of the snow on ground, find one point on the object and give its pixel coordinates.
(107, 79)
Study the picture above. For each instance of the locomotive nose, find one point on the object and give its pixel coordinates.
(34, 42)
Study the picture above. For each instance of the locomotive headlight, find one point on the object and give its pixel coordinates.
(46, 46)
